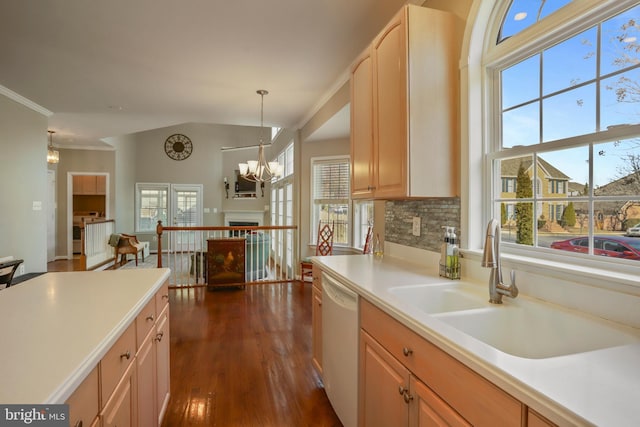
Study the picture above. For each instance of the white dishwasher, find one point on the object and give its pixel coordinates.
(340, 348)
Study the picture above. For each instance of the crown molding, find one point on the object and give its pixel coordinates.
(24, 101)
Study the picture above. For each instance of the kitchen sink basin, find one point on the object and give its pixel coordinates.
(536, 330)
(433, 299)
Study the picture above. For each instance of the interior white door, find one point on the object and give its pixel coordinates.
(186, 211)
(51, 215)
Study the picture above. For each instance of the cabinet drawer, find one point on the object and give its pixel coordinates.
(115, 363)
(479, 401)
(145, 321)
(84, 403)
(162, 297)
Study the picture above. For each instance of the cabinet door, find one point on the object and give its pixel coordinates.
(162, 360)
(316, 328)
(390, 109)
(428, 410)
(362, 160)
(536, 420)
(101, 184)
(84, 403)
(383, 385)
(120, 410)
(146, 372)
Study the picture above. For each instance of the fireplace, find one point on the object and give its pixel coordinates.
(243, 219)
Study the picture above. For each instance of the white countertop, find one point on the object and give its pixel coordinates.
(55, 328)
(599, 387)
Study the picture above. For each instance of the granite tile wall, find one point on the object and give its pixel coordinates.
(433, 213)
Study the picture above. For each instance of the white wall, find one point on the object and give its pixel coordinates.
(23, 176)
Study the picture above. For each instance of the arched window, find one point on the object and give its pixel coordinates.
(565, 95)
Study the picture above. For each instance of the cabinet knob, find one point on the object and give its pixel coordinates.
(78, 424)
(407, 397)
(401, 390)
(407, 351)
(126, 355)
(150, 318)
(165, 296)
(159, 336)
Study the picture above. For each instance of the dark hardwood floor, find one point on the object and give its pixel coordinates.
(242, 357)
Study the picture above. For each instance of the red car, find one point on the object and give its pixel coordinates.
(611, 246)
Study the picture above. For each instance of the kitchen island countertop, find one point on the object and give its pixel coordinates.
(57, 326)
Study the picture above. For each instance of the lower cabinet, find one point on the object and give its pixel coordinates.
(84, 403)
(161, 341)
(316, 319)
(406, 380)
(391, 396)
(120, 409)
(130, 385)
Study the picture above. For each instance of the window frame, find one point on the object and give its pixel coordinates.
(140, 186)
(313, 229)
(565, 23)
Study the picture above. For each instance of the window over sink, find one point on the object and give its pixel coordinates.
(563, 158)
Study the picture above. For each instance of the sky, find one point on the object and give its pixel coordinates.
(554, 95)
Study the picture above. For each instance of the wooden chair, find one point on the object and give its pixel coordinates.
(128, 244)
(7, 270)
(324, 247)
(367, 241)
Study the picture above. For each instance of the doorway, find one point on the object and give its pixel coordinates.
(87, 198)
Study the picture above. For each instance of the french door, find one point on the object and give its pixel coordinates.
(186, 211)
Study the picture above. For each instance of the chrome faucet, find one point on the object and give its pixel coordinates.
(491, 259)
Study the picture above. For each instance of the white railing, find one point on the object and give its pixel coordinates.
(227, 256)
(95, 243)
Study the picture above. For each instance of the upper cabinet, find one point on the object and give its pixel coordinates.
(89, 184)
(404, 109)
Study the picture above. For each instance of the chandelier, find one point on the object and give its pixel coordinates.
(260, 170)
(53, 156)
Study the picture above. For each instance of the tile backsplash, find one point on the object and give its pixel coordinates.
(433, 213)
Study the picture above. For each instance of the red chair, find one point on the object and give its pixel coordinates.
(367, 241)
(324, 247)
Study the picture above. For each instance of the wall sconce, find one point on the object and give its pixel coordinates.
(226, 186)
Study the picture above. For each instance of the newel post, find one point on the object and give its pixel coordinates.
(159, 233)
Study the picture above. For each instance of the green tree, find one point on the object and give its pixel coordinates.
(585, 190)
(524, 210)
(503, 214)
(569, 216)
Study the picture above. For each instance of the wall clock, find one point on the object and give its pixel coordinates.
(178, 146)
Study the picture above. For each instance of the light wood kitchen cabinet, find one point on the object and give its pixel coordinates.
(536, 420)
(84, 403)
(161, 340)
(120, 409)
(391, 395)
(453, 391)
(152, 359)
(362, 160)
(316, 319)
(382, 381)
(89, 184)
(412, 145)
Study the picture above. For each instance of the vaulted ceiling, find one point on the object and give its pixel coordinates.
(110, 68)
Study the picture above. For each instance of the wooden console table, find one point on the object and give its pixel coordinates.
(225, 262)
